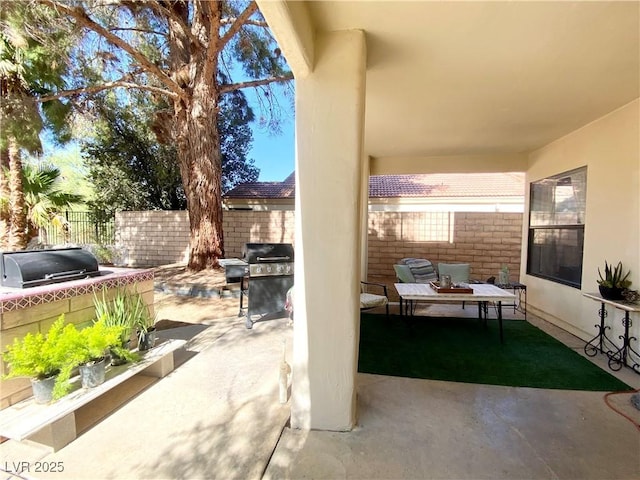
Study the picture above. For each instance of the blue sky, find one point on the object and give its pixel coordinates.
(274, 154)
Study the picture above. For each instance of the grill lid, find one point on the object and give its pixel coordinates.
(267, 252)
(31, 268)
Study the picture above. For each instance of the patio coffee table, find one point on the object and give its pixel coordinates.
(482, 293)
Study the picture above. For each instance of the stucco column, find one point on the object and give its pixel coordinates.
(364, 217)
(329, 136)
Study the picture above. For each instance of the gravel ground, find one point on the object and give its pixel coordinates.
(172, 303)
(177, 274)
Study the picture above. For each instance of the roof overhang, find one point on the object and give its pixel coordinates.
(472, 86)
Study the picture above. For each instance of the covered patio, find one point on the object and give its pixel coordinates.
(422, 87)
(217, 416)
(407, 87)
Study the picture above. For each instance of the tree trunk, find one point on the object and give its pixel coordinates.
(196, 129)
(18, 216)
(201, 170)
(4, 199)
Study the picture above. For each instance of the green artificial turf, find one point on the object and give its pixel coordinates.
(465, 350)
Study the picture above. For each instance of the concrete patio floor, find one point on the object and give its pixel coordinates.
(415, 429)
(217, 416)
(424, 429)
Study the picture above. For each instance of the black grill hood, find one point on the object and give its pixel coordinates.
(32, 268)
(267, 252)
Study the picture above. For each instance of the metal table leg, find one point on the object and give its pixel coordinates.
(500, 321)
(599, 342)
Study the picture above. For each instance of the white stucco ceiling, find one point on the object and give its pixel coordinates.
(456, 78)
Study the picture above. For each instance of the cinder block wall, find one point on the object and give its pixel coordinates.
(153, 238)
(156, 238)
(246, 226)
(486, 241)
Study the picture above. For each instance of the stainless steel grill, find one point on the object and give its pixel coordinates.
(267, 275)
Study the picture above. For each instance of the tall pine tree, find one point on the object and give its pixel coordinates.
(131, 170)
(199, 42)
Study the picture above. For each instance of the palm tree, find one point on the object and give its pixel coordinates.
(27, 70)
(44, 201)
(5, 216)
(14, 110)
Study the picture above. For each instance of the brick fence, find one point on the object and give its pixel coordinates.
(484, 240)
(155, 238)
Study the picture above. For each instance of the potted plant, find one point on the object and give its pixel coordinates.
(90, 347)
(614, 282)
(146, 331)
(123, 311)
(44, 359)
(503, 275)
(144, 323)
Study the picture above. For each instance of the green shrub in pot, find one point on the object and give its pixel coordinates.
(91, 345)
(146, 332)
(41, 357)
(145, 326)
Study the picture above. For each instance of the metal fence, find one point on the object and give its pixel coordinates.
(82, 228)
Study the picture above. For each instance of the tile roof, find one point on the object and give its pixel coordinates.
(392, 186)
(262, 190)
(447, 185)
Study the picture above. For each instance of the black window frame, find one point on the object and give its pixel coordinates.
(565, 226)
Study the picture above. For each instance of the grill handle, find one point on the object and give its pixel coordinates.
(272, 259)
(70, 273)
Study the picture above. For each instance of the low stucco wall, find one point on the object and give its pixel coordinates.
(34, 310)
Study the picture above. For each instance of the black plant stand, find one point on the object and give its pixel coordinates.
(521, 290)
(618, 355)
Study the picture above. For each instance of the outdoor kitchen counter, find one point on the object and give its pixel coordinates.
(15, 298)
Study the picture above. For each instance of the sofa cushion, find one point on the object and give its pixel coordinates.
(421, 269)
(369, 300)
(403, 272)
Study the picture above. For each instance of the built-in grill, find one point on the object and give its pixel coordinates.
(32, 268)
(267, 276)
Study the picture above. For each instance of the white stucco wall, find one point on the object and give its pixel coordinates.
(329, 136)
(610, 148)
